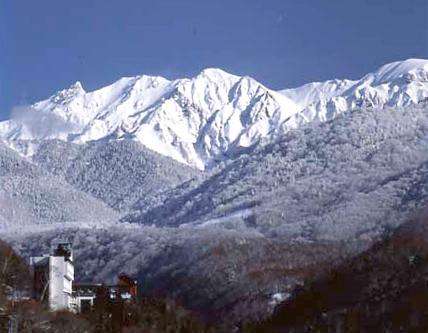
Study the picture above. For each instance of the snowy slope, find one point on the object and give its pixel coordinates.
(191, 120)
(116, 172)
(398, 84)
(31, 195)
(200, 121)
(341, 179)
(317, 91)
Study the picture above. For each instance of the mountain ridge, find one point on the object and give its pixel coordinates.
(199, 121)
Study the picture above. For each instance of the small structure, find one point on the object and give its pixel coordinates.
(126, 288)
(53, 277)
(84, 295)
(53, 283)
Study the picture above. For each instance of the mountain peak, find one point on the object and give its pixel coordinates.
(199, 120)
(215, 73)
(416, 69)
(77, 86)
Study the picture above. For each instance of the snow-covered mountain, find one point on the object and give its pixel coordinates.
(397, 84)
(191, 120)
(117, 172)
(317, 91)
(322, 181)
(198, 121)
(30, 195)
(230, 238)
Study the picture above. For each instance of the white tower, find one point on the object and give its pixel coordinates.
(53, 277)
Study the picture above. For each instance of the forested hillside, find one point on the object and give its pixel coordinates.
(385, 289)
(31, 195)
(352, 177)
(116, 172)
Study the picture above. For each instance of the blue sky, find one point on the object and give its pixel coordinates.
(49, 44)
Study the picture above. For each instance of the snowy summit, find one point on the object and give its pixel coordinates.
(198, 121)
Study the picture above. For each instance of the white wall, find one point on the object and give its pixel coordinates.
(61, 275)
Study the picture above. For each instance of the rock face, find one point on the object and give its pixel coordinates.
(202, 120)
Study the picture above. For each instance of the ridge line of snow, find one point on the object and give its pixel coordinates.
(199, 120)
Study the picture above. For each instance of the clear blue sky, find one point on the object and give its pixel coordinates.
(46, 45)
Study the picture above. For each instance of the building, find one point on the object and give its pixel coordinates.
(53, 283)
(84, 295)
(126, 288)
(53, 277)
